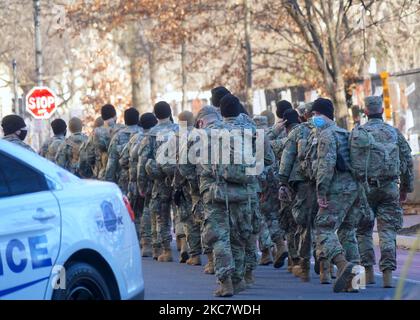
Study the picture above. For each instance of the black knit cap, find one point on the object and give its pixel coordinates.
(291, 116)
(162, 110)
(282, 106)
(324, 106)
(147, 120)
(230, 106)
(12, 123)
(58, 126)
(108, 112)
(131, 116)
(217, 94)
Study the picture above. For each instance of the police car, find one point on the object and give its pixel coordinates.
(62, 237)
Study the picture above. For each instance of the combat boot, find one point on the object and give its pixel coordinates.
(183, 256)
(249, 277)
(265, 257)
(156, 251)
(387, 279)
(324, 271)
(166, 255)
(194, 260)
(239, 286)
(281, 254)
(146, 249)
(345, 273)
(209, 267)
(296, 270)
(370, 275)
(305, 267)
(225, 288)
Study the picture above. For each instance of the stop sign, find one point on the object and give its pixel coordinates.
(41, 102)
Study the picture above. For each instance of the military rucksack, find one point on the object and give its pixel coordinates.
(242, 151)
(371, 158)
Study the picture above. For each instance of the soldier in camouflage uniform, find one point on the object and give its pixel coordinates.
(270, 207)
(140, 203)
(102, 137)
(292, 176)
(227, 224)
(152, 151)
(337, 197)
(50, 147)
(207, 117)
(278, 131)
(87, 153)
(113, 171)
(68, 152)
(183, 198)
(387, 183)
(15, 130)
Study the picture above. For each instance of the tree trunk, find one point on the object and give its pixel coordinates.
(184, 75)
(339, 99)
(248, 48)
(136, 82)
(153, 68)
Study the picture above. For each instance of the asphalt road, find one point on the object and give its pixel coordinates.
(175, 281)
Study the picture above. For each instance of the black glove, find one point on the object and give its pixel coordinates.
(178, 195)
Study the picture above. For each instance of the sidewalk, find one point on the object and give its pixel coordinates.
(410, 224)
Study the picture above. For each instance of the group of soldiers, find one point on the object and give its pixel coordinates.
(318, 193)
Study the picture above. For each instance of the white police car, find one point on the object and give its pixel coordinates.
(62, 237)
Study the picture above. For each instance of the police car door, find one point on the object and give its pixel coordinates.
(29, 230)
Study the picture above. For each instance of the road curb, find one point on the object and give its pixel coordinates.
(405, 242)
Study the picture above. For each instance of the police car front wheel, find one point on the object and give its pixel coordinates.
(83, 282)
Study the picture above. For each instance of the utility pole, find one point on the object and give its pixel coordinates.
(38, 45)
(15, 88)
(38, 62)
(247, 21)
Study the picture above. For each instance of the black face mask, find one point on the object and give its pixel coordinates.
(22, 134)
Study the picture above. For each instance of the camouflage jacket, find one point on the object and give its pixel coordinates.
(277, 131)
(113, 170)
(147, 150)
(14, 139)
(328, 179)
(382, 132)
(50, 147)
(101, 138)
(68, 153)
(290, 166)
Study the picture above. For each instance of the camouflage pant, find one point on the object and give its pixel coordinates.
(264, 238)
(226, 230)
(304, 211)
(179, 228)
(190, 225)
(335, 227)
(385, 203)
(289, 225)
(160, 209)
(270, 207)
(198, 218)
(251, 259)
